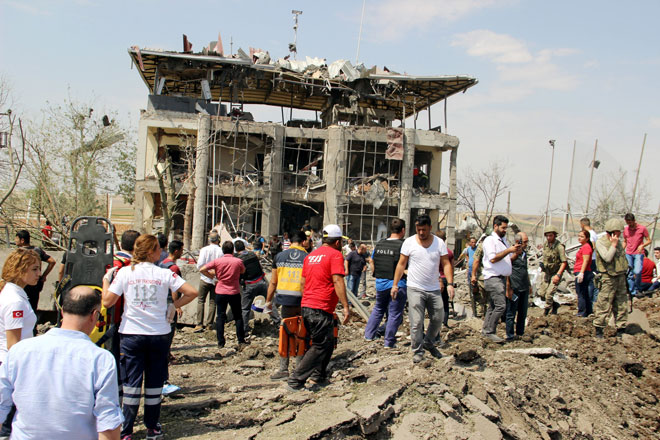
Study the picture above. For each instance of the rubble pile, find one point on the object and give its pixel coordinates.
(558, 381)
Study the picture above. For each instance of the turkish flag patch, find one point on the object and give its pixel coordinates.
(17, 314)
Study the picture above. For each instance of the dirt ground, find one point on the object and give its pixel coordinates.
(573, 387)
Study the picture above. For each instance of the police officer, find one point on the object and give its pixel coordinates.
(612, 265)
(554, 265)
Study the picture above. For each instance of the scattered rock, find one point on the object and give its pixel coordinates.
(466, 355)
(632, 367)
(487, 429)
(476, 405)
(419, 425)
(253, 364)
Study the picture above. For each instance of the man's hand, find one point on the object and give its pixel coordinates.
(347, 316)
(509, 293)
(514, 248)
(474, 279)
(394, 291)
(614, 239)
(179, 312)
(450, 291)
(640, 249)
(580, 277)
(555, 279)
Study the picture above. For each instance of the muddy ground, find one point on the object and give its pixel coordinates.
(574, 387)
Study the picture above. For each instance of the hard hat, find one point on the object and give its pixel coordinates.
(614, 224)
(549, 229)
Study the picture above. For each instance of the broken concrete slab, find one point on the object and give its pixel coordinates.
(455, 430)
(312, 421)
(484, 427)
(419, 425)
(539, 352)
(474, 404)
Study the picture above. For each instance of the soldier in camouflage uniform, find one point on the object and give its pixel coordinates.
(477, 280)
(612, 265)
(554, 264)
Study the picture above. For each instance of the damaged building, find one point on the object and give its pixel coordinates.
(354, 162)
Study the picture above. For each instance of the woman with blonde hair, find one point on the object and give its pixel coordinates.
(17, 319)
(144, 330)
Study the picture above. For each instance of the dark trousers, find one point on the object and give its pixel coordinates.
(393, 308)
(143, 356)
(250, 292)
(320, 328)
(585, 306)
(445, 301)
(516, 313)
(221, 302)
(643, 287)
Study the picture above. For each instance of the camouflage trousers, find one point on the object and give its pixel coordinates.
(612, 300)
(480, 298)
(547, 290)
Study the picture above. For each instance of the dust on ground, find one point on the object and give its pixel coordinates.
(557, 382)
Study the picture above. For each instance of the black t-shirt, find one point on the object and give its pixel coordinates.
(356, 263)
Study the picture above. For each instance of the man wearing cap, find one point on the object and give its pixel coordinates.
(612, 265)
(206, 284)
(423, 253)
(323, 287)
(554, 265)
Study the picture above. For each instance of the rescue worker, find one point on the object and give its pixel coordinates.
(323, 287)
(477, 281)
(286, 288)
(612, 264)
(554, 265)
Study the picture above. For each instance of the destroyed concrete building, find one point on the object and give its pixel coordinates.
(348, 165)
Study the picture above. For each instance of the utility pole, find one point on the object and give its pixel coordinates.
(293, 47)
(568, 197)
(591, 177)
(641, 155)
(508, 204)
(552, 162)
(655, 225)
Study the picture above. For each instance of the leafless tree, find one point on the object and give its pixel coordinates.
(613, 197)
(12, 157)
(479, 191)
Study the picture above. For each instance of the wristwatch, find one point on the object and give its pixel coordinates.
(451, 284)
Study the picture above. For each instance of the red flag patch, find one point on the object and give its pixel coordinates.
(17, 314)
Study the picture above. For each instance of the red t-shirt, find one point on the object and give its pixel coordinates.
(318, 269)
(634, 238)
(648, 266)
(579, 257)
(228, 272)
(174, 268)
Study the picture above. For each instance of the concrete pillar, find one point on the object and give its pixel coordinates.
(407, 166)
(201, 182)
(334, 169)
(451, 212)
(271, 206)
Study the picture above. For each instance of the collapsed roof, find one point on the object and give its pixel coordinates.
(309, 85)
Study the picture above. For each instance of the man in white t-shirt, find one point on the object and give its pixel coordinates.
(206, 284)
(497, 269)
(423, 253)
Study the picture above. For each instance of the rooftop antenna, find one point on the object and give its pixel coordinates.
(293, 46)
(357, 55)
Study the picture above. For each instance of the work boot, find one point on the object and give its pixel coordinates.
(280, 375)
(599, 332)
(493, 337)
(434, 351)
(156, 433)
(417, 358)
(198, 329)
(555, 307)
(546, 311)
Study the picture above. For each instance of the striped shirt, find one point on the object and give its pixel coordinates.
(288, 265)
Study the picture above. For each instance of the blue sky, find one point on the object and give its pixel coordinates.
(561, 70)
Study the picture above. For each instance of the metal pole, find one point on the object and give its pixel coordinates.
(632, 204)
(508, 204)
(655, 225)
(357, 55)
(568, 197)
(591, 177)
(547, 205)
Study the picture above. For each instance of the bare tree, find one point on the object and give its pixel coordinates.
(479, 191)
(12, 158)
(613, 196)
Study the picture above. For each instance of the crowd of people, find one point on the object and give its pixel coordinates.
(97, 392)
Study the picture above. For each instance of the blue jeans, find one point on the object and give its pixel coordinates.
(394, 309)
(519, 308)
(353, 283)
(635, 277)
(585, 305)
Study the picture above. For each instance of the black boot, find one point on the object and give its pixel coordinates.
(546, 312)
(599, 332)
(555, 307)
